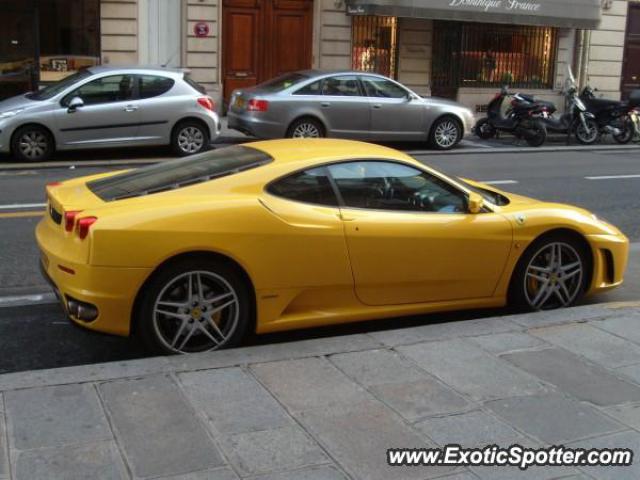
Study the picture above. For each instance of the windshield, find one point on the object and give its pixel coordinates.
(178, 173)
(55, 88)
(489, 195)
(282, 82)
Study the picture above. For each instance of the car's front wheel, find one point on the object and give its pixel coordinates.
(552, 273)
(189, 137)
(446, 132)
(194, 305)
(32, 143)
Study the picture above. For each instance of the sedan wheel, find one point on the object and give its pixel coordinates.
(446, 133)
(305, 128)
(195, 309)
(551, 275)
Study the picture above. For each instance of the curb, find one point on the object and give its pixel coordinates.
(44, 298)
(456, 151)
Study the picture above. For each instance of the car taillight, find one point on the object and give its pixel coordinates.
(256, 105)
(83, 226)
(207, 102)
(70, 219)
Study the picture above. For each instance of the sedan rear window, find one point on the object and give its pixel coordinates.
(282, 82)
(179, 173)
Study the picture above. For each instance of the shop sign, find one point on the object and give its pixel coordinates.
(498, 5)
(201, 29)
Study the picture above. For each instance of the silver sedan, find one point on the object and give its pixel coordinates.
(353, 105)
(109, 107)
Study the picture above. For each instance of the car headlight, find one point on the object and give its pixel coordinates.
(10, 113)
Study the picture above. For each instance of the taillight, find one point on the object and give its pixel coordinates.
(83, 226)
(256, 105)
(70, 219)
(207, 102)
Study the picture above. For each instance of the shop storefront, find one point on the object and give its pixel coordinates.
(42, 41)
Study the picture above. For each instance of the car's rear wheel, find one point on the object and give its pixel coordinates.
(552, 273)
(446, 132)
(32, 143)
(189, 137)
(306, 128)
(195, 305)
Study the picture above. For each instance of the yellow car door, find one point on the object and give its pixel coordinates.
(410, 238)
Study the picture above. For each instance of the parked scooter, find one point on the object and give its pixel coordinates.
(612, 116)
(522, 119)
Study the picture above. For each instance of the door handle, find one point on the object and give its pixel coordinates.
(130, 108)
(377, 105)
(325, 104)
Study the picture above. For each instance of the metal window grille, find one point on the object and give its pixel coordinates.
(374, 44)
(489, 55)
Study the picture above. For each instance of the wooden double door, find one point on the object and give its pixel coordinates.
(262, 39)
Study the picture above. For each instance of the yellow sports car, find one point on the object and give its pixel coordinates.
(194, 253)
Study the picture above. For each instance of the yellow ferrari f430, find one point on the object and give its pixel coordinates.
(194, 253)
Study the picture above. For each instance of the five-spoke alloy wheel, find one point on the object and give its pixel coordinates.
(194, 307)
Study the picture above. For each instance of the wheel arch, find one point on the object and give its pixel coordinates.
(34, 124)
(210, 255)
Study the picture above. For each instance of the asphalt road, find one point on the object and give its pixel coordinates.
(38, 336)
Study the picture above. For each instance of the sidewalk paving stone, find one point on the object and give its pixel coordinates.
(629, 439)
(598, 346)
(625, 326)
(157, 428)
(358, 435)
(470, 429)
(54, 416)
(460, 476)
(569, 315)
(308, 383)
(323, 472)
(532, 473)
(632, 372)
(507, 342)
(4, 444)
(273, 450)
(471, 370)
(553, 418)
(627, 414)
(233, 400)
(214, 474)
(88, 461)
(571, 374)
(412, 392)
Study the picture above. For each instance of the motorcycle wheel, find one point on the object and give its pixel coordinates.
(540, 136)
(588, 136)
(628, 131)
(484, 129)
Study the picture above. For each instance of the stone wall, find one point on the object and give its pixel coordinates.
(119, 31)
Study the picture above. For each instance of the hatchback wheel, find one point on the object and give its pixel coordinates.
(445, 133)
(32, 144)
(194, 306)
(189, 138)
(551, 274)
(306, 128)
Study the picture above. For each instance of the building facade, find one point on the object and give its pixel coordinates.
(461, 49)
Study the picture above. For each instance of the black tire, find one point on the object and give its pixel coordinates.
(628, 131)
(32, 143)
(590, 136)
(189, 137)
(484, 129)
(540, 137)
(446, 133)
(158, 330)
(306, 127)
(522, 285)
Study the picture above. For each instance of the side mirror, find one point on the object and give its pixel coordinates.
(475, 202)
(74, 104)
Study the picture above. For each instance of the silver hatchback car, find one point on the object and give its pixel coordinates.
(104, 107)
(356, 105)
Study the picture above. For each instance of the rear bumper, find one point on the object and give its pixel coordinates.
(112, 290)
(254, 126)
(610, 255)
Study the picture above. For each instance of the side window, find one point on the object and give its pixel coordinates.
(153, 85)
(342, 85)
(382, 88)
(314, 88)
(116, 88)
(394, 186)
(310, 186)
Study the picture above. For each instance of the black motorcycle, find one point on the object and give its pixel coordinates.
(612, 116)
(521, 119)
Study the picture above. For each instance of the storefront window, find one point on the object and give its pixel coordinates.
(490, 55)
(69, 37)
(374, 41)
